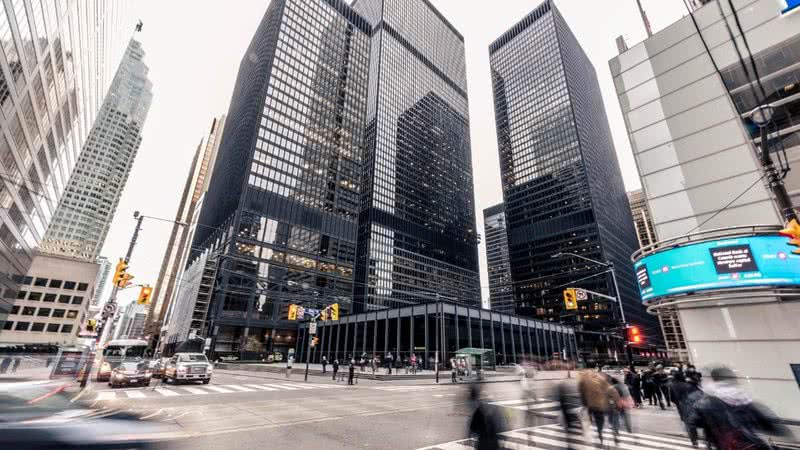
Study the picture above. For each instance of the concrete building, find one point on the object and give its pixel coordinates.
(53, 79)
(642, 221)
(685, 97)
(183, 230)
(52, 302)
(131, 322)
(103, 277)
(501, 289)
(81, 222)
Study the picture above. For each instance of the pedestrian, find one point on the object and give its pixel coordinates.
(597, 396)
(453, 371)
(389, 361)
(633, 383)
(17, 361)
(649, 386)
(363, 362)
(684, 395)
(351, 371)
(486, 423)
(289, 363)
(335, 368)
(623, 406)
(693, 376)
(661, 379)
(414, 364)
(568, 409)
(324, 364)
(374, 363)
(4, 365)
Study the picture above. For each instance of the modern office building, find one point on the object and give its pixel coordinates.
(131, 322)
(103, 276)
(417, 238)
(501, 289)
(642, 221)
(280, 215)
(562, 184)
(52, 302)
(81, 222)
(54, 75)
(183, 230)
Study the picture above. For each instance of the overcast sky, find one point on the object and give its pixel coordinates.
(193, 49)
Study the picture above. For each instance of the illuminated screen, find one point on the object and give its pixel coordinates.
(729, 263)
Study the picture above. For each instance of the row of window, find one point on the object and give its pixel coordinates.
(43, 312)
(49, 297)
(38, 327)
(52, 283)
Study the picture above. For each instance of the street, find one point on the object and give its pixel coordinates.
(246, 410)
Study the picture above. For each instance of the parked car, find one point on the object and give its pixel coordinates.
(188, 367)
(131, 373)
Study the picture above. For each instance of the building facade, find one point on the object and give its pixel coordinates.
(642, 220)
(81, 221)
(562, 184)
(103, 276)
(54, 75)
(183, 230)
(131, 322)
(187, 311)
(501, 289)
(417, 236)
(52, 302)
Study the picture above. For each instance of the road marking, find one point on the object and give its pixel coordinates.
(106, 395)
(300, 386)
(134, 394)
(195, 390)
(218, 389)
(263, 388)
(166, 392)
(280, 386)
(152, 415)
(238, 388)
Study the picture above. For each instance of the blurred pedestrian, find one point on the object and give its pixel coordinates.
(568, 409)
(661, 380)
(693, 376)
(4, 365)
(597, 396)
(634, 383)
(486, 423)
(324, 364)
(389, 361)
(17, 362)
(623, 406)
(335, 368)
(649, 385)
(453, 371)
(289, 363)
(413, 364)
(684, 395)
(351, 371)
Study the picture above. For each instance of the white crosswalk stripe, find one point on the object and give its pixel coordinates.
(238, 388)
(134, 394)
(166, 392)
(281, 386)
(106, 395)
(540, 407)
(263, 388)
(554, 436)
(137, 394)
(195, 390)
(218, 389)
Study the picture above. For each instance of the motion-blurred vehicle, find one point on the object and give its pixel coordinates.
(41, 414)
(117, 351)
(130, 373)
(157, 367)
(188, 367)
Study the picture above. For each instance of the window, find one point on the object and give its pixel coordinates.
(40, 282)
(28, 311)
(66, 328)
(35, 296)
(15, 309)
(37, 326)
(27, 281)
(72, 314)
(77, 300)
(22, 326)
(58, 313)
(8, 325)
(22, 294)
(52, 328)
(64, 299)
(55, 283)
(69, 285)
(44, 312)
(82, 286)
(50, 298)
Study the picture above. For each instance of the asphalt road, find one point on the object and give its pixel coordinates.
(244, 410)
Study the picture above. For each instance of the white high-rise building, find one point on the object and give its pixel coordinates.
(102, 278)
(131, 322)
(81, 222)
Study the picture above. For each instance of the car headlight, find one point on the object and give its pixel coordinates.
(119, 376)
(105, 367)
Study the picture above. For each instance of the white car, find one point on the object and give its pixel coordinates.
(188, 367)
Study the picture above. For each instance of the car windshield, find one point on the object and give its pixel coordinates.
(192, 358)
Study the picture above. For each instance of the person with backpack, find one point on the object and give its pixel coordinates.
(598, 397)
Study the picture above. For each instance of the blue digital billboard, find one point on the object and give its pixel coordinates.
(729, 263)
(791, 5)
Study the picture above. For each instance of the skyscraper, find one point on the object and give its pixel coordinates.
(501, 289)
(84, 214)
(642, 220)
(53, 78)
(280, 214)
(416, 238)
(562, 184)
(102, 278)
(183, 230)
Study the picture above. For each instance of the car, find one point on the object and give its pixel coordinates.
(131, 373)
(157, 367)
(188, 367)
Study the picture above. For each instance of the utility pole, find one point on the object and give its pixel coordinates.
(646, 21)
(762, 116)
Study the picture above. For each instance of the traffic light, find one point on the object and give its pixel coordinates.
(335, 311)
(570, 299)
(323, 315)
(292, 312)
(792, 231)
(91, 324)
(144, 295)
(121, 277)
(634, 335)
(314, 341)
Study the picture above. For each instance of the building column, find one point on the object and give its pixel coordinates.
(346, 337)
(425, 317)
(411, 336)
(491, 328)
(469, 327)
(530, 342)
(386, 336)
(455, 321)
(338, 335)
(374, 336)
(513, 339)
(364, 344)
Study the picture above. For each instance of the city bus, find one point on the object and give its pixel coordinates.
(119, 350)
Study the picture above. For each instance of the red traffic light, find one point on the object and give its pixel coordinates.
(634, 335)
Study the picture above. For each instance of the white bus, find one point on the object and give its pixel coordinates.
(117, 351)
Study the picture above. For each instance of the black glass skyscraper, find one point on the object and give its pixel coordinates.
(562, 184)
(417, 241)
(280, 216)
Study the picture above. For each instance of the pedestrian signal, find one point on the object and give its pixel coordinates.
(634, 335)
(570, 299)
(314, 341)
(323, 315)
(144, 295)
(121, 277)
(792, 231)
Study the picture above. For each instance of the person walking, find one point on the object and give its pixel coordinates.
(661, 379)
(597, 396)
(453, 371)
(684, 395)
(335, 368)
(17, 361)
(413, 364)
(289, 363)
(623, 406)
(649, 386)
(5, 365)
(389, 361)
(351, 371)
(363, 362)
(324, 364)
(632, 382)
(485, 423)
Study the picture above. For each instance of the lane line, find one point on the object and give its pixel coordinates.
(218, 389)
(263, 388)
(238, 388)
(279, 386)
(300, 386)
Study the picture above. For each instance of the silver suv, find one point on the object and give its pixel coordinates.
(188, 367)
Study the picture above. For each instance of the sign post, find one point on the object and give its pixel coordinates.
(312, 331)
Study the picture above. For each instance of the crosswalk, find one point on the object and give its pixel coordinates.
(554, 436)
(408, 388)
(540, 407)
(206, 389)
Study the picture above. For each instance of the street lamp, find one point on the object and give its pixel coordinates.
(610, 267)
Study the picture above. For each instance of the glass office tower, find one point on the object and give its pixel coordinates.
(280, 215)
(416, 238)
(562, 184)
(501, 289)
(58, 59)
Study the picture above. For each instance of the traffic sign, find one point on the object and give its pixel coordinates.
(312, 328)
(581, 294)
(109, 309)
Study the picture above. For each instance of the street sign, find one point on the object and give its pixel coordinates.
(207, 344)
(312, 328)
(580, 294)
(109, 309)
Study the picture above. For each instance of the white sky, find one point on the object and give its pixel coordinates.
(193, 49)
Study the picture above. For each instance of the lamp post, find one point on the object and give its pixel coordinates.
(762, 116)
(610, 267)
